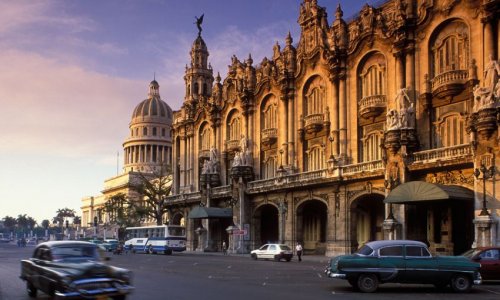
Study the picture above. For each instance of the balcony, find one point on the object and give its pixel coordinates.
(233, 145)
(372, 106)
(449, 83)
(204, 153)
(459, 154)
(269, 136)
(364, 167)
(313, 123)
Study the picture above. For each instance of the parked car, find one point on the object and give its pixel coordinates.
(489, 258)
(99, 243)
(110, 244)
(403, 261)
(273, 251)
(73, 270)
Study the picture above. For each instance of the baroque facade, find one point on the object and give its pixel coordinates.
(147, 149)
(384, 126)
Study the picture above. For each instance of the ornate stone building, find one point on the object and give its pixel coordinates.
(147, 149)
(383, 126)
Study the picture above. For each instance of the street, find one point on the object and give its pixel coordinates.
(214, 276)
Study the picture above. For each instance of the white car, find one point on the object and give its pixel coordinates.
(273, 251)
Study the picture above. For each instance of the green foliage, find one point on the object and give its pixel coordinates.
(62, 214)
(9, 222)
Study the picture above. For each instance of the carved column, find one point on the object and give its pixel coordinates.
(400, 70)
(489, 40)
(343, 116)
(283, 128)
(410, 73)
(291, 131)
(335, 117)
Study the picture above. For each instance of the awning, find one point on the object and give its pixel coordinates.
(418, 191)
(201, 212)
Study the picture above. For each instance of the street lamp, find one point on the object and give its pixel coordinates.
(487, 173)
(232, 228)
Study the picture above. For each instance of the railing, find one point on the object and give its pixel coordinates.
(204, 153)
(221, 190)
(313, 119)
(442, 153)
(363, 167)
(370, 102)
(454, 76)
(288, 179)
(232, 144)
(269, 133)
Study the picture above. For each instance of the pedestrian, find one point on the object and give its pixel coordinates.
(298, 248)
(224, 248)
(131, 248)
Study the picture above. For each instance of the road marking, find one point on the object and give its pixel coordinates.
(319, 275)
(494, 292)
(229, 267)
(263, 283)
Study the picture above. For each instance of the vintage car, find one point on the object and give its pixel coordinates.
(74, 270)
(489, 258)
(403, 261)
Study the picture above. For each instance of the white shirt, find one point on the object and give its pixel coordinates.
(298, 247)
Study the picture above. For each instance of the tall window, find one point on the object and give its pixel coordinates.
(373, 81)
(270, 118)
(206, 138)
(234, 129)
(450, 48)
(315, 159)
(314, 97)
(371, 147)
(451, 131)
(269, 168)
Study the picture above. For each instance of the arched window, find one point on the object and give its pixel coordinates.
(451, 131)
(137, 131)
(163, 132)
(196, 88)
(234, 129)
(371, 146)
(270, 118)
(154, 131)
(315, 159)
(206, 138)
(314, 97)
(144, 131)
(373, 81)
(450, 48)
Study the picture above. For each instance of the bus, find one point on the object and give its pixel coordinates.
(156, 239)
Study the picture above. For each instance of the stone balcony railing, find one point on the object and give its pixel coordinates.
(314, 119)
(363, 167)
(269, 135)
(442, 154)
(221, 191)
(232, 145)
(204, 153)
(449, 78)
(372, 106)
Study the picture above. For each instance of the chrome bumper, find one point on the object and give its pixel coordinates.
(478, 280)
(330, 274)
(76, 293)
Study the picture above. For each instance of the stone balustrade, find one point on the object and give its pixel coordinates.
(314, 119)
(363, 167)
(372, 106)
(450, 77)
(269, 133)
(442, 153)
(232, 145)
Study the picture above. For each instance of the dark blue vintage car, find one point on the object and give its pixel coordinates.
(73, 270)
(403, 261)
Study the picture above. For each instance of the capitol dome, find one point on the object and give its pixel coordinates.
(153, 107)
(149, 144)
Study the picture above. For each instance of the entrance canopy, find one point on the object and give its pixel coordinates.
(201, 212)
(418, 191)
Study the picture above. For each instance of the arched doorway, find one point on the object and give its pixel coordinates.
(267, 224)
(367, 216)
(311, 226)
(177, 219)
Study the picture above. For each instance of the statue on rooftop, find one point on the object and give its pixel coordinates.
(198, 23)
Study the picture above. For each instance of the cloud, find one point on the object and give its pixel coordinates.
(62, 109)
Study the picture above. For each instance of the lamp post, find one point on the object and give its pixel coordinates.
(232, 228)
(487, 173)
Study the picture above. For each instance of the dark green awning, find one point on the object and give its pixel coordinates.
(201, 212)
(417, 191)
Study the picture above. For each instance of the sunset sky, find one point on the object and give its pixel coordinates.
(71, 73)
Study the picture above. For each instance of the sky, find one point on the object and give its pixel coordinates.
(71, 73)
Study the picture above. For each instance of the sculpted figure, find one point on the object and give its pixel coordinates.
(482, 97)
(205, 168)
(243, 144)
(491, 73)
(199, 21)
(237, 160)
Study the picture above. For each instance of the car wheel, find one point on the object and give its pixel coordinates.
(31, 289)
(367, 283)
(254, 256)
(461, 283)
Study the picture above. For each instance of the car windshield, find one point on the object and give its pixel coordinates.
(470, 253)
(75, 253)
(365, 250)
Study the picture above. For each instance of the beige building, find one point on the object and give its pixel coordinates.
(383, 126)
(146, 149)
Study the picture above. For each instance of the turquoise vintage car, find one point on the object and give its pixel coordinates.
(403, 261)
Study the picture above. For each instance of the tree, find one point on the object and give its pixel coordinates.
(123, 212)
(62, 214)
(77, 220)
(153, 190)
(22, 221)
(9, 223)
(46, 224)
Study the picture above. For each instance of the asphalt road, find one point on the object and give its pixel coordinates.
(203, 276)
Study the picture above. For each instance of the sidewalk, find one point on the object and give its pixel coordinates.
(315, 258)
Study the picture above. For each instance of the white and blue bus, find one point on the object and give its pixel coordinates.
(156, 239)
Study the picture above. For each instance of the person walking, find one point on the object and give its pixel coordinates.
(224, 248)
(298, 248)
